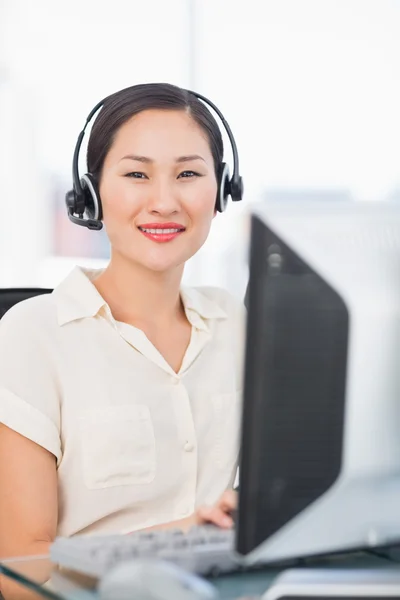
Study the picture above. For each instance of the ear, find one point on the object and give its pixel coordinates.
(215, 213)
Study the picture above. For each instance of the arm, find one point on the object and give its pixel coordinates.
(28, 500)
(29, 430)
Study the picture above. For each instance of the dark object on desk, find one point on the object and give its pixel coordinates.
(335, 584)
(11, 296)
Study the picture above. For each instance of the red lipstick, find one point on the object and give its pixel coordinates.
(161, 232)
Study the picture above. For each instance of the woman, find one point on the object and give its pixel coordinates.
(120, 391)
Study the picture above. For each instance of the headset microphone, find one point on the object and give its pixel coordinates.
(84, 203)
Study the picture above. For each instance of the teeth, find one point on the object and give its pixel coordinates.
(161, 231)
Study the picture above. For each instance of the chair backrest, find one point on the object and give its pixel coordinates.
(11, 296)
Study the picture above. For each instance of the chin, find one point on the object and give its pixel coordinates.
(164, 259)
(161, 266)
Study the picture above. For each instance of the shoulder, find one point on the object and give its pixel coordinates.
(34, 314)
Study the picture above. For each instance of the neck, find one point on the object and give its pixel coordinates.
(137, 295)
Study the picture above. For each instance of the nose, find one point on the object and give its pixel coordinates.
(163, 199)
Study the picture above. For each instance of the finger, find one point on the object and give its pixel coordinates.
(228, 501)
(214, 515)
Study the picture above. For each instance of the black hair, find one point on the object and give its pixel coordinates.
(121, 106)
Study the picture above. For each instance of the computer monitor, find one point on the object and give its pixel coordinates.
(320, 455)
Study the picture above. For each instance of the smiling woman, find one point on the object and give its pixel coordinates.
(129, 409)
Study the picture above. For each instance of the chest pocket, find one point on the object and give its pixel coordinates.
(118, 446)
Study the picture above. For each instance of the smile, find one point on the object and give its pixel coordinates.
(161, 234)
(160, 231)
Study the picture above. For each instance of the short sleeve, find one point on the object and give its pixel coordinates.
(29, 394)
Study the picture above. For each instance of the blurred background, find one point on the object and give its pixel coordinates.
(311, 89)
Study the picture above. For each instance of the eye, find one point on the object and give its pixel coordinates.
(136, 175)
(188, 174)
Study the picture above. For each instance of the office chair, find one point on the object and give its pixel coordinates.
(11, 296)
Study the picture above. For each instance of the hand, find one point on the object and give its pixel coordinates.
(220, 513)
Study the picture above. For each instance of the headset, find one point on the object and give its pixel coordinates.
(84, 203)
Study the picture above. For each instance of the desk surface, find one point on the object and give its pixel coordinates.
(48, 581)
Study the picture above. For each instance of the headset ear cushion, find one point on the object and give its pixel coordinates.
(70, 200)
(93, 209)
(223, 188)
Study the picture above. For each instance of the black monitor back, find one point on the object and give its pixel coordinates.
(294, 391)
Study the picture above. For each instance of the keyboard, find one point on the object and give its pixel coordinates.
(204, 550)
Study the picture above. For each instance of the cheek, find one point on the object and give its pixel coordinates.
(201, 208)
(116, 200)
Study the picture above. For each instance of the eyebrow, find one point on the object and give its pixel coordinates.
(146, 159)
(190, 157)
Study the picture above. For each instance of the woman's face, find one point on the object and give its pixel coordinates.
(158, 189)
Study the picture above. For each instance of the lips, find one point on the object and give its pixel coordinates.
(161, 232)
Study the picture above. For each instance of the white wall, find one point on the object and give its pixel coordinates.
(313, 88)
(61, 59)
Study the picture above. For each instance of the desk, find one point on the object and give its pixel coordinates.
(31, 572)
